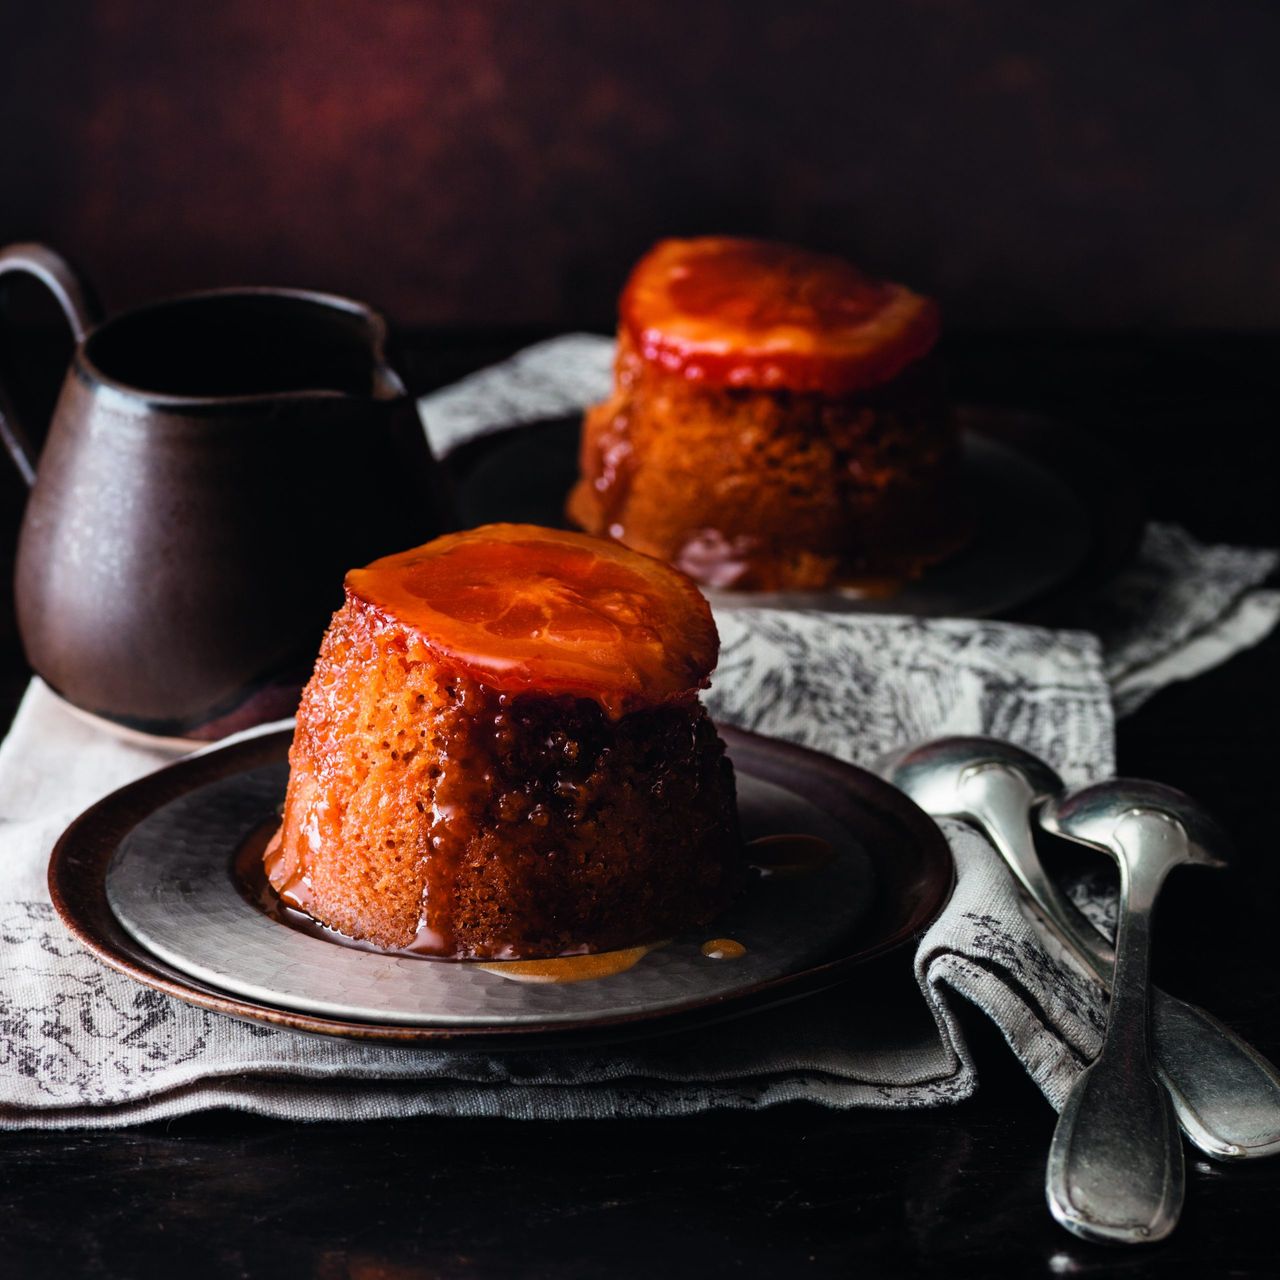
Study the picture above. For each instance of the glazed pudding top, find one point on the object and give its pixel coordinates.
(729, 312)
(522, 608)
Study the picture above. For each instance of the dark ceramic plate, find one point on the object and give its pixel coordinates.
(1055, 516)
(145, 879)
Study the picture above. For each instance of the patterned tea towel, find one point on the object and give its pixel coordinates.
(83, 1046)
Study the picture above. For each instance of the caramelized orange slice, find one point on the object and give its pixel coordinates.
(750, 313)
(520, 607)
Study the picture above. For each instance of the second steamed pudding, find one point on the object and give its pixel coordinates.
(776, 422)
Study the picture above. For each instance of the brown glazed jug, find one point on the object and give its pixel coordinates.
(214, 465)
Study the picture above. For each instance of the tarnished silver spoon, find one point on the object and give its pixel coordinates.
(1115, 1164)
(1226, 1095)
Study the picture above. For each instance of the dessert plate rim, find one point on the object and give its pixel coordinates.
(912, 864)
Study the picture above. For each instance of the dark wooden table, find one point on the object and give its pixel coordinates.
(796, 1191)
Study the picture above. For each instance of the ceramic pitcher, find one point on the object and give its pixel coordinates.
(214, 464)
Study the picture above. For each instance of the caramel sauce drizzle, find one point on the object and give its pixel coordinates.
(563, 969)
(723, 949)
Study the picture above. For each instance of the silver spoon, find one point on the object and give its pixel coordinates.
(1115, 1164)
(1225, 1094)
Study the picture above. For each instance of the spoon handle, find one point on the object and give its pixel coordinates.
(1115, 1165)
(1226, 1094)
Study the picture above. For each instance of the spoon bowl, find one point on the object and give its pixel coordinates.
(1099, 815)
(941, 776)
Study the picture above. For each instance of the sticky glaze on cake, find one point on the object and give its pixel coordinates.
(502, 753)
(776, 422)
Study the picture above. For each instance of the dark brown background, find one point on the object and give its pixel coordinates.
(490, 165)
(1092, 164)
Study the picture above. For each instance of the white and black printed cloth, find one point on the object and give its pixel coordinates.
(83, 1046)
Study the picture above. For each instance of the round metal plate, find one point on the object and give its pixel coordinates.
(171, 885)
(159, 852)
(1038, 526)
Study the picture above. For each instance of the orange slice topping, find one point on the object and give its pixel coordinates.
(729, 312)
(520, 607)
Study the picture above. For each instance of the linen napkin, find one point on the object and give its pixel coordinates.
(83, 1046)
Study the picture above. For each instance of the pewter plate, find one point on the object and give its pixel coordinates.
(145, 880)
(1045, 523)
(172, 887)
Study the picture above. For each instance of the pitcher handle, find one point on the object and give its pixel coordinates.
(81, 310)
